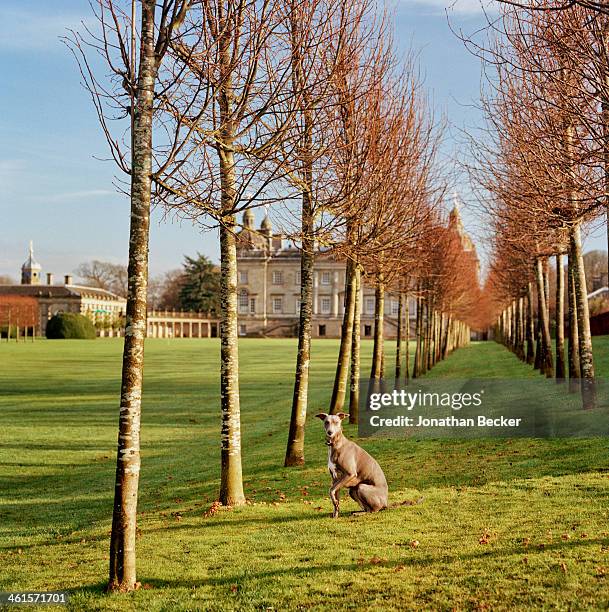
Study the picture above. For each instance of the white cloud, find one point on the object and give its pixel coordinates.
(25, 30)
(70, 196)
(462, 7)
(10, 171)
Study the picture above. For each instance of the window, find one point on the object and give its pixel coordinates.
(242, 330)
(369, 305)
(326, 278)
(325, 305)
(277, 305)
(277, 277)
(322, 330)
(367, 330)
(244, 300)
(252, 305)
(298, 278)
(395, 308)
(243, 277)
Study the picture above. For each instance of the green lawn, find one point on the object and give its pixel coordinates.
(504, 524)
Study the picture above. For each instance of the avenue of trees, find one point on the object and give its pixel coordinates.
(211, 108)
(543, 172)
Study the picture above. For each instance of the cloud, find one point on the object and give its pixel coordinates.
(34, 30)
(462, 7)
(70, 196)
(10, 171)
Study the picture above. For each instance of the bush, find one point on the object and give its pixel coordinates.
(69, 325)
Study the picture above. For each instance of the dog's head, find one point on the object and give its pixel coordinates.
(332, 425)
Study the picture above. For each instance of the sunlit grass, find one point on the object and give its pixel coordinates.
(503, 524)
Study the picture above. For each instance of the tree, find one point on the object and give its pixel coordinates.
(239, 53)
(105, 275)
(325, 37)
(164, 290)
(550, 167)
(5, 279)
(200, 285)
(136, 84)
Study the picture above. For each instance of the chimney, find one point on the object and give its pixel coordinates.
(49, 278)
(68, 279)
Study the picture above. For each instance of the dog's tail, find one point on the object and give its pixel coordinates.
(408, 502)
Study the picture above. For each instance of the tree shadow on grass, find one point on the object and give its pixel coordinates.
(418, 561)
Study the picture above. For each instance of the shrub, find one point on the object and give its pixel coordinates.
(70, 325)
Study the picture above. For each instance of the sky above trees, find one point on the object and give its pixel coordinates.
(57, 194)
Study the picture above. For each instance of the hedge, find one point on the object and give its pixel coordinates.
(69, 325)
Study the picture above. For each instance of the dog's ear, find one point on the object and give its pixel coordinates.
(342, 415)
(321, 416)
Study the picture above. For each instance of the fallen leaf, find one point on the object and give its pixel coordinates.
(213, 509)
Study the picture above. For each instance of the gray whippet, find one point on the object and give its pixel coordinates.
(352, 467)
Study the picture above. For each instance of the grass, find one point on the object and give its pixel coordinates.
(504, 524)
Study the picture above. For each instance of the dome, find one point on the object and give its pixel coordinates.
(266, 224)
(30, 263)
(248, 219)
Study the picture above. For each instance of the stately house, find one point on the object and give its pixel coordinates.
(49, 299)
(269, 288)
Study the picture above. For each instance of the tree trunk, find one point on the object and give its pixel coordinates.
(573, 346)
(446, 340)
(355, 349)
(605, 122)
(416, 371)
(586, 361)
(530, 329)
(398, 346)
(407, 339)
(346, 340)
(423, 357)
(295, 449)
(122, 576)
(376, 371)
(547, 366)
(560, 320)
(231, 480)
(522, 321)
(539, 356)
(429, 334)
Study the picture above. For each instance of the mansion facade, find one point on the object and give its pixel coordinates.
(43, 300)
(269, 289)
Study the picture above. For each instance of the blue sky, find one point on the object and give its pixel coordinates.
(53, 190)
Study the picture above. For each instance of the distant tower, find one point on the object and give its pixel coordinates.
(266, 229)
(248, 219)
(30, 270)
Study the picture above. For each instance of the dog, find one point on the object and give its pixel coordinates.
(352, 467)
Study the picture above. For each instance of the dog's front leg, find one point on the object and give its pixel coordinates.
(335, 497)
(346, 481)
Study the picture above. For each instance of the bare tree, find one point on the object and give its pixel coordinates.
(105, 275)
(138, 79)
(242, 58)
